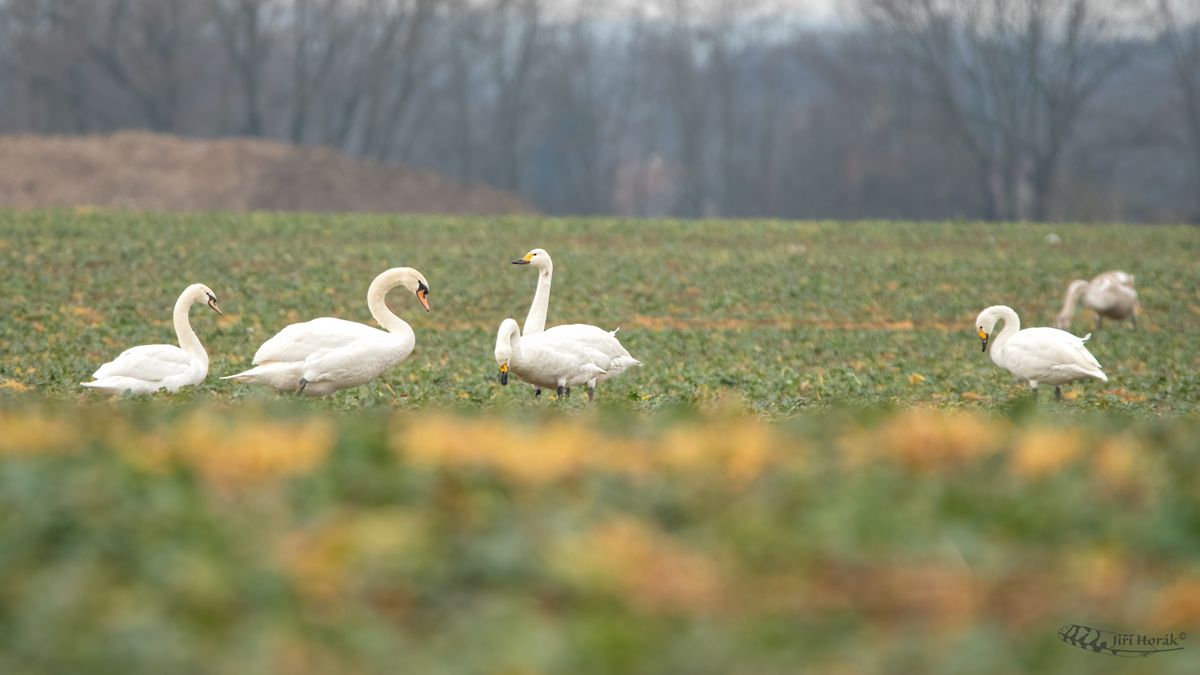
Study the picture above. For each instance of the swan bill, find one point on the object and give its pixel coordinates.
(423, 294)
(523, 261)
(212, 302)
(983, 336)
(503, 374)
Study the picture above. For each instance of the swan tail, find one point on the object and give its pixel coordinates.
(1085, 338)
(625, 362)
(592, 368)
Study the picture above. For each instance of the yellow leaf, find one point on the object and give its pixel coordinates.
(915, 378)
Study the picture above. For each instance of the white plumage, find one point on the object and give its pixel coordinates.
(150, 368)
(325, 355)
(546, 361)
(614, 359)
(1110, 295)
(1037, 355)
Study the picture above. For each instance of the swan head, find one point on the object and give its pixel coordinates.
(1062, 322)
(537, 258)
(504, 350)
(201, 293)
(406, 277)
(987, 319)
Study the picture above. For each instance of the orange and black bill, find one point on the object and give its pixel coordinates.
(983, 336)
(504, 374)
(523, 261)
(423, 294)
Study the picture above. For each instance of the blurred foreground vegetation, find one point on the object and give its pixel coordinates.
(272, 540)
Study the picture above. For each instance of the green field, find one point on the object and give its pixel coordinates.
(816, 470)
(786, 316)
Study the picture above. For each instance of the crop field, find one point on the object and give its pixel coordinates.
(816, 469)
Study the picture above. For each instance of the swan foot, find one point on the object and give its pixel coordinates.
(303, 384)
(560, 391)
(591, 392)
(1058, 394)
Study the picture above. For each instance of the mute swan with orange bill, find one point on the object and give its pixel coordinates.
(1110, 295)
(1037, 355)
(149, 368)
(323, 356)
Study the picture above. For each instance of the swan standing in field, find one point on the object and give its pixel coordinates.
(1109, 295)
(591, 337)
(1037, 355)
(543, 360)
(146, 369)
(319, 357)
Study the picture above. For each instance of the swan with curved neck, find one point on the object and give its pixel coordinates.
(326, 355)
(1110, 295)
(616, 359)
(149, 368)
(1036, 355)
(543, 360)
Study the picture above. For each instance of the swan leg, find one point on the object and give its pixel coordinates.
(1134, 319)
(591, 392)
(1099, 321)
(568, 392)
(560, 391)
(537, 392)
(1057, 393)
(303, 384)
(1035, 393)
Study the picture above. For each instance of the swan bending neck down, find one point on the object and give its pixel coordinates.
(322, 356)
(149, 368)
(602, 347)
(1036, 355)
(1110, 295)
(542, 360)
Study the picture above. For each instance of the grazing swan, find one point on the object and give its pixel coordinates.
(1109, 295)
(1037, 355)
(146, 369)
(543, 360)
(592, 337)
(325, 355)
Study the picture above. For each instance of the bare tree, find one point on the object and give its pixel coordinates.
(1010, 78)
(1179, 26)
(243, 25)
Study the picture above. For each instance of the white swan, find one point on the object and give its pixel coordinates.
(1111, 295)
(325, 355)
(1037, 355)
(149, 368)
(591, 337)
(543, 360)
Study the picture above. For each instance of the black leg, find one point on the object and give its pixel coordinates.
(1134, 319)
(1057, 394)
(303, 384)
(560, 391)
(591, 392)
(1035, 393)
(1099, 321)
(537, 392)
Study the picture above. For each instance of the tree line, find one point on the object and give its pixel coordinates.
(918, 109)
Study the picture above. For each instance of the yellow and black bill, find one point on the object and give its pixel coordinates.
(983, 336)
(212, 302)
(525, 260)
(503, 374)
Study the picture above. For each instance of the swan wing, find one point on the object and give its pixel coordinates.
(359, 361)
(1040, 353)
(152, 363)
(299, 341)
(595, 338)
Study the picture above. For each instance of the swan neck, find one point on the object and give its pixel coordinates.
(379, 309)
(536, 321)
(1012, 325)
(188, 341)
(1076, 289)
(514, 343)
